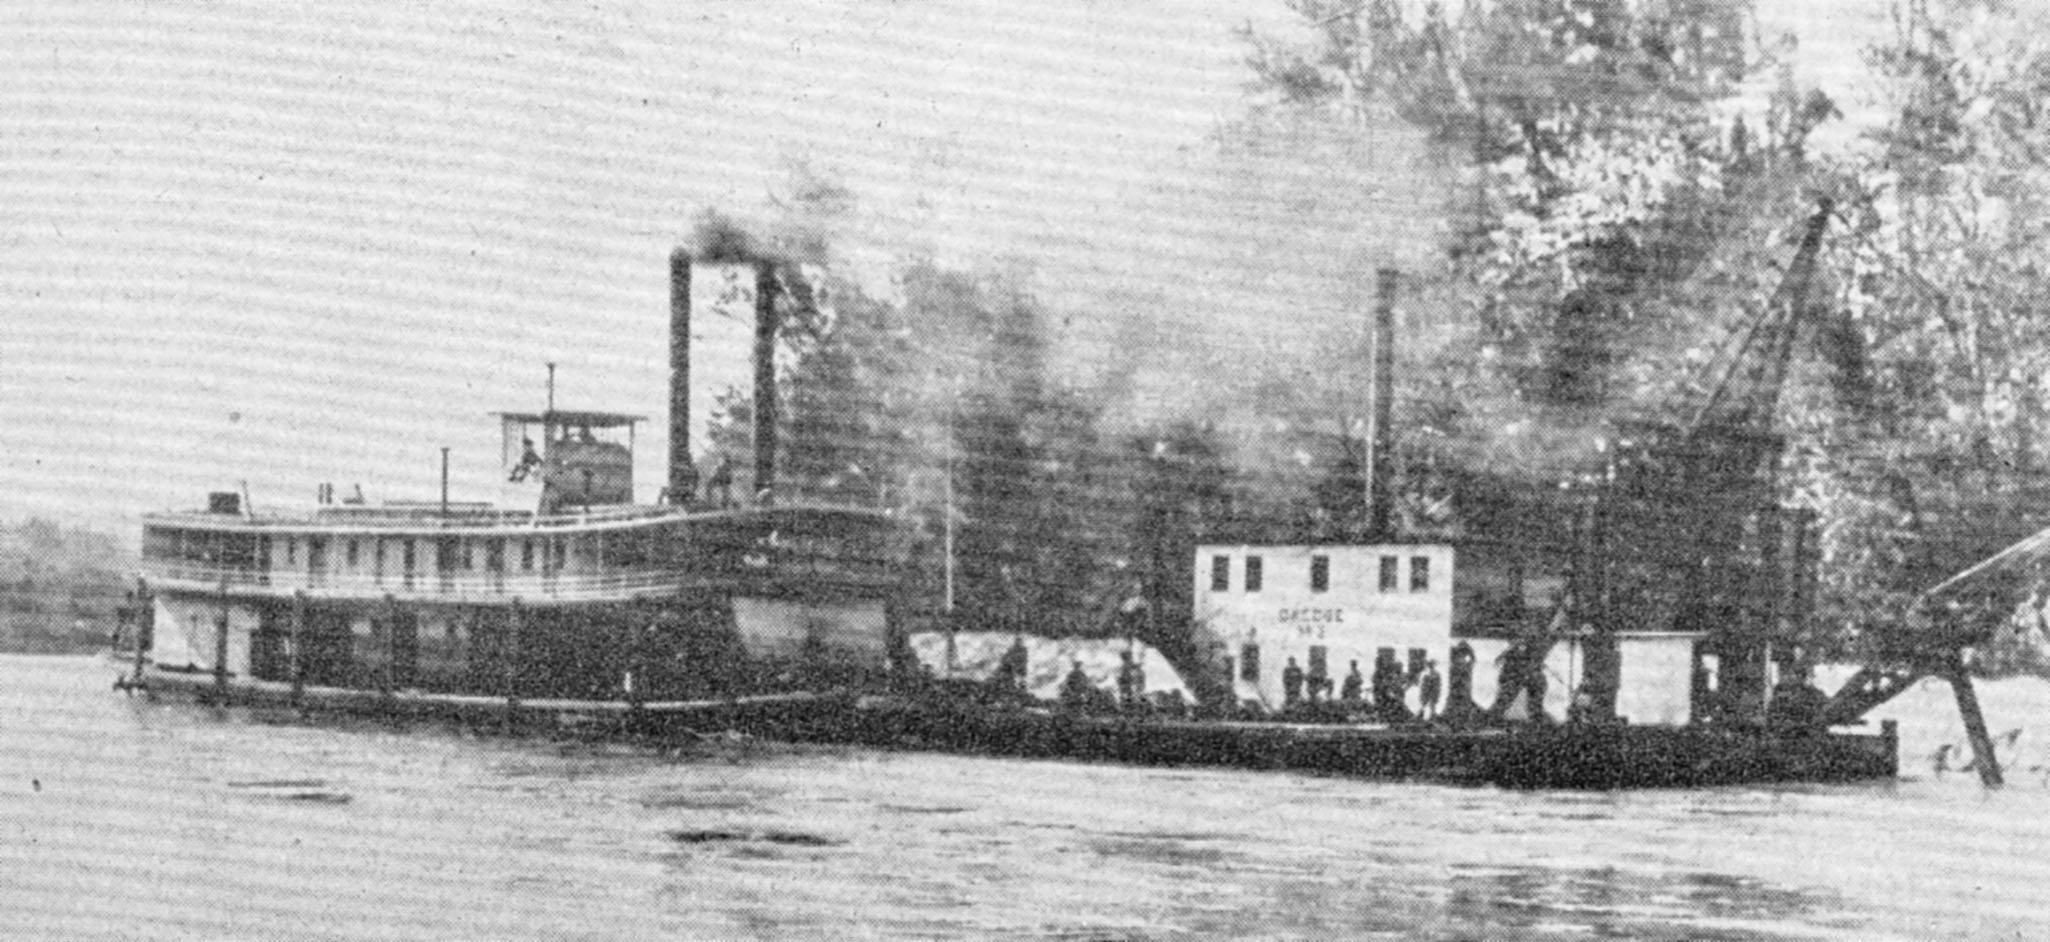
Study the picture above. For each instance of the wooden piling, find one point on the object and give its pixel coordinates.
(1984, 760)
(510, 653)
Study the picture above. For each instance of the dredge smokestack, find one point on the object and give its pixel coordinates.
(683, 474)
(1381, 436)
(765, 379)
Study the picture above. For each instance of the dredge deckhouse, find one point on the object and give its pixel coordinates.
(719, 589)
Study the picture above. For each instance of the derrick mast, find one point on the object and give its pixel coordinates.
(1686, 532)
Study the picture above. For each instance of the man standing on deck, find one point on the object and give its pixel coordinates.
(1009, 679)
(1427, 692)
(1291, 686)
(1131, 682)
(1077, 690)
(1388, 686)
(1355, 685)
(721, 485)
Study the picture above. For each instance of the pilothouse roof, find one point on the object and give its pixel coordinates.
(573, 417)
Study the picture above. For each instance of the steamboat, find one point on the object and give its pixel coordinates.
(1658, 597)
(579, 601)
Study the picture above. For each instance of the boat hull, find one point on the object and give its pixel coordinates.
(1573, 757)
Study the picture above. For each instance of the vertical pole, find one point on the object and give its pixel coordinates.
(298, 658)
(634, 681)
(388, 639)
(1960, 678)
(515, 616)
(551, 395)
(765, 380)
(221, 644)
(947, 532)
(1769, 597)
(947, 528)
(444, 480)
(145, 627)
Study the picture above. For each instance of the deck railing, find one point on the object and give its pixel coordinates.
(485, 588)
(418, 517)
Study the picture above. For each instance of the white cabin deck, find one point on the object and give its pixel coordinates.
(480, 556)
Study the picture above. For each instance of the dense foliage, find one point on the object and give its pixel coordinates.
(1630, 177)
(1629, 210)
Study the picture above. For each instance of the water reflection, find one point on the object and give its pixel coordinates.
(1608, 902)
(193, 822)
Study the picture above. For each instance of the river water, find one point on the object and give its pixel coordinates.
(121, 819)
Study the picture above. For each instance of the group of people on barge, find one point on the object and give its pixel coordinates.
(1384, 698)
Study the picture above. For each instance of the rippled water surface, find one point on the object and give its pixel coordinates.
(124, 819)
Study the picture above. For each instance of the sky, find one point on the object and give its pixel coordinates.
(245, 248)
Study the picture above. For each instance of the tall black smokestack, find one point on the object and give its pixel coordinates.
(765, 378)
(1381, 436)
(683, 475)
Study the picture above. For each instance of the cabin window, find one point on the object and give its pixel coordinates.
(1320, 573)
(377, 556)
(291, 552)
(1255, 573)
(1388, 580)
(1220, 573)
(1249, 663)
(527, 555)
(160, 544)
(494, 555)
(1419, 573)
(352, 554)
(561, 554)
(407, 546)
(469, 554)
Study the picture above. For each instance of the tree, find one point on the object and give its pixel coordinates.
(1606, 182)
(1936, 466)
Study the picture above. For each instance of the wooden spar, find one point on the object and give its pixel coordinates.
(297, 661)
(1984, 760)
